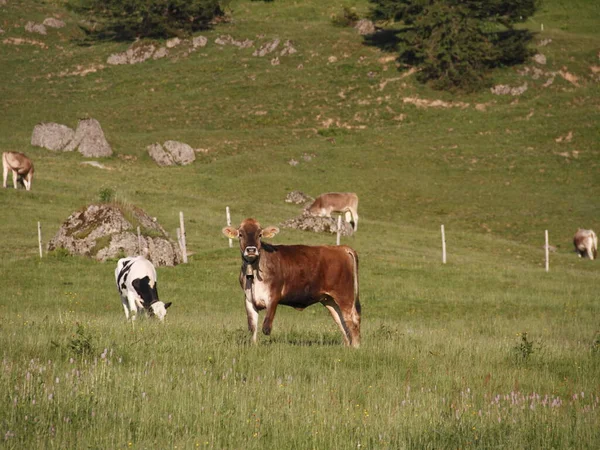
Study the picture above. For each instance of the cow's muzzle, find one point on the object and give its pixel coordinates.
(250, 253)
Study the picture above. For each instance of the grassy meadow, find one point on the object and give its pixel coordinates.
(486, 351)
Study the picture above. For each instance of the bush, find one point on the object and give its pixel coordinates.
(130, 19)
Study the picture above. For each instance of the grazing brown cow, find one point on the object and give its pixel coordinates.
(297, 276)
(341, 202)
(586, 243)
(21, 167)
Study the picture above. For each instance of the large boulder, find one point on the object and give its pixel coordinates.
(109, 230)
(52, 136)
(90, 140)
(317, 224)
(172, 153)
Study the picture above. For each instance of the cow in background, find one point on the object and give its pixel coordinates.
(586, 243)
(136, 283)
(296, 276)
(341, 202)
(21, 167)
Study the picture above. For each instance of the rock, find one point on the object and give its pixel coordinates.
(364, 27)
(267, 48)
(110, 231)
(160, 53)
(540, 59)
(544, 42)
(199, 41)
(54, 23)
(182, 153)
(160, 156)
(173, 42)
(503, 89)
(135, 54)
(227, 39)
(94, 164)
(33, 27)
(288, 49)
(298, 198)
(52, 136)
(275, 61)
(172, 153)
(90, 140)
(308, 222)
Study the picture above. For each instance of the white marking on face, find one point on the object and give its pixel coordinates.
(159, 310)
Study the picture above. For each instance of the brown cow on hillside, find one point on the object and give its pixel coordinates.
(586, 243)
(21, 167)
(342, 202)
(297, 276)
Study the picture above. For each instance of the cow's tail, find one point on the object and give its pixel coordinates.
(354, 257)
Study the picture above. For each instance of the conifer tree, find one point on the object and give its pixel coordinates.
(130, 19)
(455, 43)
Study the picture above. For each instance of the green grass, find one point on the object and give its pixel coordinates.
(443, 362)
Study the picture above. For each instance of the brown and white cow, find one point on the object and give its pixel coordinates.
(586, 243)
(341, 202)
(21, 167)
(297, 276)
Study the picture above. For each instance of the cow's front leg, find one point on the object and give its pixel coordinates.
(268, 322)
(5, 172)
(252, 315)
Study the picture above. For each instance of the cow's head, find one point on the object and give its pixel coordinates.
(250, 234)
(146, 289)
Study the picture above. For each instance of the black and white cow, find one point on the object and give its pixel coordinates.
(136, 283)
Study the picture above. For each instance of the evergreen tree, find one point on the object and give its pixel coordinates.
(130, 19)
(456, 42)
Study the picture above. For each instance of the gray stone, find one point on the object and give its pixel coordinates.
(160, 53)
(298, 198)
(135, 54)
(173, 42)
(267, 48)
(182, 153)
(364, 27)
(503, 89)
(316, 224)
(160, 156)
(53, 23)
(109, 231)
(540, 59)
(288, 49)
(90, 140)
(199, 41)
(52, 136)
(33, 27)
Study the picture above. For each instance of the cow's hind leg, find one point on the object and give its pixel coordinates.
(125, 307)
(336, 313)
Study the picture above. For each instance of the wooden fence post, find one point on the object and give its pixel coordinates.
(443, 245)
(228, 216)
(183, 243)
(139, 241)
(547, 251)
(40, 238)
(339, 229)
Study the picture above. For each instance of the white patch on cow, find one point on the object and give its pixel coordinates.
(258, 293)
(159, 310)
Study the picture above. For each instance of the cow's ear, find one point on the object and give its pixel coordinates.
(168, 304)
(269, 232)
(231, 232)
